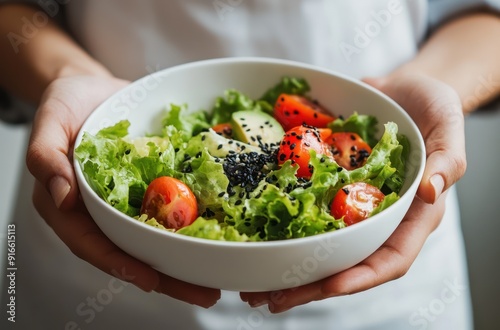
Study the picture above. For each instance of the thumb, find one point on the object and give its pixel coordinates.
(446, 161)
(63, 109)
(377, 82)
(48, 152)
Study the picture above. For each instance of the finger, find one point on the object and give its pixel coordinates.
(55, 127)
(282, 300)
(190, 293)
(84, 238)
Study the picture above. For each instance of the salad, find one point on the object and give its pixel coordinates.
(278, 167)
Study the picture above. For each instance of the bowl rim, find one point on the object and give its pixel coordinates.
(259, 244)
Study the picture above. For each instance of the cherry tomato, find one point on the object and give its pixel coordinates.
(297, 143)
(349, 149)
(293, 110)
(355, 202)
(224, 129)
(170, 202)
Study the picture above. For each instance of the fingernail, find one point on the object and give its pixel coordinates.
(275, 310)
(59, 189)
(257, 303)
(437, 183)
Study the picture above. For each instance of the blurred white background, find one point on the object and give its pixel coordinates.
(478, 193)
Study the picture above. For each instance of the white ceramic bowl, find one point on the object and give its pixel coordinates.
(253, 266)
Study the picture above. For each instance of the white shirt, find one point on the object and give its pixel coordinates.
(134, 38)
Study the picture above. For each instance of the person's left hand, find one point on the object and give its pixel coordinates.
(437, 110)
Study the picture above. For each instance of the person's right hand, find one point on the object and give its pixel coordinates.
(66, 103)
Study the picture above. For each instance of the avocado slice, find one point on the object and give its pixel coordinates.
(219, 146)
(256, 127)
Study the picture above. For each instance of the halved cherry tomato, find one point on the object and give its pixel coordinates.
(296, 145)
(355, 202)
(170, 202)
(349, 149)
(293, 110)
(224, 129)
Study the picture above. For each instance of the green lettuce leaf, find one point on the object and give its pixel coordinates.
(119, 169)
(233, 101)
(363, 125)
(288, 85)
(212, 229)
(189, 124)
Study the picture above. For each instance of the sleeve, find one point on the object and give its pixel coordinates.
(12, 109)
(441, 10)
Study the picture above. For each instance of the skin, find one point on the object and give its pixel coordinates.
(436, 88)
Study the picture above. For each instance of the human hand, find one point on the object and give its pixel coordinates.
(437, 111)
(66, 103)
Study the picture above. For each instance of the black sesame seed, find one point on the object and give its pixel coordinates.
(346, 191)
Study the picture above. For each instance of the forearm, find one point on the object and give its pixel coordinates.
(463, 53)
(29, 63)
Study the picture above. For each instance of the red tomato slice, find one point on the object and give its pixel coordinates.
(355, 202)
(297, 143)
(293, 110)
(349, 149)
(224, 129)
(170, 202)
